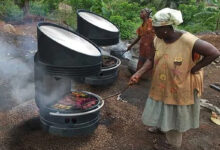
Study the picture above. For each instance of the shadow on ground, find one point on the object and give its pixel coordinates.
(29, 136)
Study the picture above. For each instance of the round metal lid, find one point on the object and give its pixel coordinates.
(69, 40)
(98, 21)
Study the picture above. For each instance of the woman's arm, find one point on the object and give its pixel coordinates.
(207, 50)
(149, 63)
(133, 43)
(146, 67)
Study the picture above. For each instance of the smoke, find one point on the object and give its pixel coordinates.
(49, 89)
(16, 67)
(121, 46)
(17, 83)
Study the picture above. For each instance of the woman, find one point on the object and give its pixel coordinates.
(173, 105)
(146, 35)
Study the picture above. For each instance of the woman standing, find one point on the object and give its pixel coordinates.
(173, 105)
(146, 35)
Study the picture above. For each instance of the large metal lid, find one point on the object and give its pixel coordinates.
(70, 40)
(98, 21)
(96, 28)
(60, 47)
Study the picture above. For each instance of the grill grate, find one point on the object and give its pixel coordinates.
(75, 101)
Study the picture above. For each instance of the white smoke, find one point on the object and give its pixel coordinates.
(14, 70)
(17, 72)
(121, 46)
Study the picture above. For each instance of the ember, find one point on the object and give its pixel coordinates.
(76, 100)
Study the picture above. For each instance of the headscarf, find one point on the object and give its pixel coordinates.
(148, 10)
(167, 16)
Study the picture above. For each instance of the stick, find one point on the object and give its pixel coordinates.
(123, 53)
(116, 93)
(215, 87)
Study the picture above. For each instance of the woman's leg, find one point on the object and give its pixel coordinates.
(174, 138)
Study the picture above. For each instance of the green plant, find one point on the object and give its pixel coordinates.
(199, 18)
(141, 2)
(51, 4)
(126, 16)
(38, 8)
(97, 7)
(127, 27)
(10, 11)
(82, 4)
(129, 11)
(188, 12)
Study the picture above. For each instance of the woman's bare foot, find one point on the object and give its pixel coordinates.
(155, 130)
(163, 145)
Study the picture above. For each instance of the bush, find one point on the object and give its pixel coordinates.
(126, 16)
(51, 4)
(9, 11)
(126, 26)
(141, 2)
(198, 18)
(82, 4)
(188, 11)
(38, 8)
(97, 7)
(129, 11)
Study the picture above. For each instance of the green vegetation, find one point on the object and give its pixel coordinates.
(199, 15)
(10, 11)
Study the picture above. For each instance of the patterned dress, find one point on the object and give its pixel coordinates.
(146, 34)
(173, 103)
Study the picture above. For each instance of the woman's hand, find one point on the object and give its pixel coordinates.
(146, 67)
(134, 79)
(195, 69)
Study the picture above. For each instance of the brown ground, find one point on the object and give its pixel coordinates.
(120, 125)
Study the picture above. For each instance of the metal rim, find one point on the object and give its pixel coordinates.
(77, 114)
(80, 111)
(36, 59)
(116, 66)
(64, 128)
